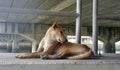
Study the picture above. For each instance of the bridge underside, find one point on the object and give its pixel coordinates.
(31, 17)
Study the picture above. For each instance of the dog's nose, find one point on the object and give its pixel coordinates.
(65, 40)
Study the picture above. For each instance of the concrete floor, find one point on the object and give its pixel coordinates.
(106, 62)
(9, 58)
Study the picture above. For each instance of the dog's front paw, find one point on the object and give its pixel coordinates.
(44, 56)
(21, 56)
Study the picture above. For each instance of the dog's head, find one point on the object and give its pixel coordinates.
(55, 33)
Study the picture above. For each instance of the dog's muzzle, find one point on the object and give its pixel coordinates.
(65, 40)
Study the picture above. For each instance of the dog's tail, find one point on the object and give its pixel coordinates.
(82, 56)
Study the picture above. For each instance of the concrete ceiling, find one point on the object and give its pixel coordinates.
(108, 10)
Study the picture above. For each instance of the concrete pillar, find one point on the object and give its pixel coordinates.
(9, 28)
(109, 47)
(15, 47)
(9, 46)
(34, 46)
(78, 20)
(110, 43)
(33, 28)
(16, 28)
(2, 27)
(95, 27)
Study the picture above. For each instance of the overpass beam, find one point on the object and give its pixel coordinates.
(37, 12)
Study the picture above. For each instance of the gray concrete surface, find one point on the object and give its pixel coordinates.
(107, 62)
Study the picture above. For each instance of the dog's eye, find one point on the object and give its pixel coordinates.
(61, 32)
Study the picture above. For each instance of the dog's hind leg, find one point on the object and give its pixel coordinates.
(85, 55)
(59, 55)
(50, 57)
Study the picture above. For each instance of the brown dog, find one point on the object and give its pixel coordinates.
(54, 45)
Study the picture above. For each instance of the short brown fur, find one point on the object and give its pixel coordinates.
(54, 45)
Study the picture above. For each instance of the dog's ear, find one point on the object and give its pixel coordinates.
(55, 25)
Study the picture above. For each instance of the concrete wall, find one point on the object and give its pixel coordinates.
(40, 30)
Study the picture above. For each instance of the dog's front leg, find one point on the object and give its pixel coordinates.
(29, 55)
